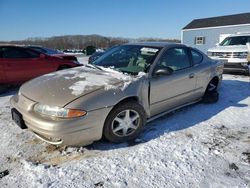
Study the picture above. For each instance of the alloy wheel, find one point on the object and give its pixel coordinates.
(125, 123)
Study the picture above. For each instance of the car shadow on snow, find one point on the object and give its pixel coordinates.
(232, 94)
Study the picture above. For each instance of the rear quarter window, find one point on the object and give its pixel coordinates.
(196, 56)
(33, 53)
(38, 49)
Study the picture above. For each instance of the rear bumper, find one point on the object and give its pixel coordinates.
(71, 132)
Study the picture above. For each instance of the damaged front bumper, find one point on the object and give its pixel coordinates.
(71, 132)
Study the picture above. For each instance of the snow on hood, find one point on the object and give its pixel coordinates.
(61, 87)
(88, 80)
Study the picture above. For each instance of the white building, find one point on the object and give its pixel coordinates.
(206, 33)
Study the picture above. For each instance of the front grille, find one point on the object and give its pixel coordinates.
(241, 55)
(222, 54)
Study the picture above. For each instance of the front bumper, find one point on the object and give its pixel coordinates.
(71, 132)
(236, 67)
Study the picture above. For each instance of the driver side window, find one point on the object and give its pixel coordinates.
(15, 52)
(175, 58)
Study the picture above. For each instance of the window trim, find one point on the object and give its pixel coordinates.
(195, 64)
(14, 48)
(22, 50)
(202, 40)
(188, 53)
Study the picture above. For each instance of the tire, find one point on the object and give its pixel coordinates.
(247, 74)
(124, 123)
(62, 67)
(211, 94)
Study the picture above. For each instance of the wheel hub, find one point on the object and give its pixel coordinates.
(125, 123)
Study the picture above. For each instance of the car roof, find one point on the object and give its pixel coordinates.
(157, 44)
(33, 46)
(11, 45)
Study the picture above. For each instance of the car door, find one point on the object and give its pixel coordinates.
(23, 64)
(41, 63)
(17, 64)
(202, 70)
(176, 89)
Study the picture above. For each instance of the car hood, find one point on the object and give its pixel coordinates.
(61, 87)
(235, 48)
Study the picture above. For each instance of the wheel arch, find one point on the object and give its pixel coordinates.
(133, 100)
(128, 99)
(215, 80)
(125, 100)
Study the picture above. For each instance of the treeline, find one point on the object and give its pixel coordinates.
(82, 41)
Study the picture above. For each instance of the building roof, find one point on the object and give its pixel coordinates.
(236, 19)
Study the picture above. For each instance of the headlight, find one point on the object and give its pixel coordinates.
(58, 111)
(240, 54)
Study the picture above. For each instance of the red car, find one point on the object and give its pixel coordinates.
(19, 64)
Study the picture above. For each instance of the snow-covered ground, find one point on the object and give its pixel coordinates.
(203, 145)
(83, 59)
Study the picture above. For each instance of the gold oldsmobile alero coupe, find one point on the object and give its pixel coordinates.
(117, 94)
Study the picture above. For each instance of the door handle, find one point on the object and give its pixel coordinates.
(191, 75)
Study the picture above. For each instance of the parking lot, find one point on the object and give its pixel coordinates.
(203, 145)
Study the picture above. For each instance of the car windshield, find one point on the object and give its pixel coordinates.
(238, 40)
(130, 59)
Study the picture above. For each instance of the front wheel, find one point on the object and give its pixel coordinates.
(124, 123)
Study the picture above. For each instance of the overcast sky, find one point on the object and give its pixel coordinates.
(20, 19)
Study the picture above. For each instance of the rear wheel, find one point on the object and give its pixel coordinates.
(211, 94)
(124, 122)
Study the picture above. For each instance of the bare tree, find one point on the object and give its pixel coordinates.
(82, 41)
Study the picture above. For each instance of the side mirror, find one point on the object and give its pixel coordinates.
(163, 71)
(42, 56)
